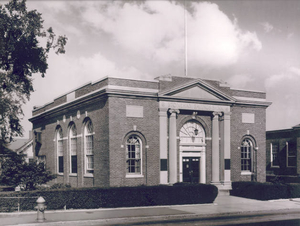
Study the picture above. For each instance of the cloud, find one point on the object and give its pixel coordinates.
(79, 71)
(282, 89)
(240, 80)
(290, 35)
(156, 30)
(295, 70)
(267, 27)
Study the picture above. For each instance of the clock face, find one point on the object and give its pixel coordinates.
(192, 132)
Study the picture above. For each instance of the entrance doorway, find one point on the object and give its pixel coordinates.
(190, 167)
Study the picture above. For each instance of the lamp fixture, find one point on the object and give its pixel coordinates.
(196, 131)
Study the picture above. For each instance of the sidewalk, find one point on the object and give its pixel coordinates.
(224, 206)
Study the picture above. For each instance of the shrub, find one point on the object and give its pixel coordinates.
(265, 191)
(88, 198)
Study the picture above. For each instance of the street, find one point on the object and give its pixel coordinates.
(261, 220)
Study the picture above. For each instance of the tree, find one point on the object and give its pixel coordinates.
(21, 56)
(15, 171)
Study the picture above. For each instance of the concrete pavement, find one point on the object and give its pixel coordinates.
(224, 206)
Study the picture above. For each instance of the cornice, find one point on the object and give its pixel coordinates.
(195, 100)
(61, 107)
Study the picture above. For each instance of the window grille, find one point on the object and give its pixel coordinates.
(133, 155)
(73, 148)
(246, 155)
(274, 155)
(60, 151)
(89, 148)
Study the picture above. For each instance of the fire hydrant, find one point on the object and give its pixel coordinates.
(40, 209)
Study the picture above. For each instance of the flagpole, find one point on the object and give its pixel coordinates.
(185, 41)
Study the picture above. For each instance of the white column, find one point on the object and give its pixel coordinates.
(227, 171)
(163, 145)
(172, 146)
(215, 149)
(203, 168)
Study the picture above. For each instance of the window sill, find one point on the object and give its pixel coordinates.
(88, 175)
(60, 174)
(275, 166)
(246, 173)
(73, 174)
(134, 176)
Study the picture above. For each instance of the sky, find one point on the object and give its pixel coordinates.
(250, 44)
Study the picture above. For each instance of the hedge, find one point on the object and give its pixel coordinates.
(89, 198)
(265, 191)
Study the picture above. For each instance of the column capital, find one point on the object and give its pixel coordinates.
(172, 111)
(217, 114)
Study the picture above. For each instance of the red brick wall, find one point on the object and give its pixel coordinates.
(148, 130)
(97, 111)
(257, 131)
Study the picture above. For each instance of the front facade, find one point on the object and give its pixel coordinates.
(283, 147)
(125, 132)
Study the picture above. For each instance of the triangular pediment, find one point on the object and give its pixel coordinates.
(197, 90)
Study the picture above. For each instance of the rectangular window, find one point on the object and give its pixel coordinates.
(133, 159)
(89, 149)
(60, 152)
(89, 145)
(74, 163)
(245, 159)
(90, 164)
(73, 155)
(291, 158)
(60, 164)
(274, 155)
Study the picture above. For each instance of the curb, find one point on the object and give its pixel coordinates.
(167, 218)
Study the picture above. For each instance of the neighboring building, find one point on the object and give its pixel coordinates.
(23, 147)
(282, 148)
(126, 132)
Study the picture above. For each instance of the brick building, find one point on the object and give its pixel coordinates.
(282, 152)
(126, 132)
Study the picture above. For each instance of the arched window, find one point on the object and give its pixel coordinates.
(134, 155)
(89, 147)
(60, 150)
(192, 132)
(73, 148)
(247, 149)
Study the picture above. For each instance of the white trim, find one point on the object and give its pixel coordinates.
(245, 173)
(85, 134)
(57, 153)
(193, 106)
(70, 149)
(247, 90)
(119, 88)
(134, 176)
(202, 82)
(271, 153)
(193, 150)
(250, 98)
(128, 88)
(140, 174)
